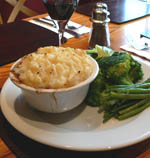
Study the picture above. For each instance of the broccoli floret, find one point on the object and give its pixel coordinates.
(120, 68)
(98, 85)
(135, 73)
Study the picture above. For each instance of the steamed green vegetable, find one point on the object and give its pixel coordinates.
(120, 68)
(124, 101)
(115, 90)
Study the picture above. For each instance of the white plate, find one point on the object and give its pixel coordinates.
(80, 129)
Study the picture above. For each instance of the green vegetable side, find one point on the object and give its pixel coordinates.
(116, 90)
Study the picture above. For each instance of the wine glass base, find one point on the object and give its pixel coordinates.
(64, 40)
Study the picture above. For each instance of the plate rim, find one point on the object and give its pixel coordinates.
(75, 148)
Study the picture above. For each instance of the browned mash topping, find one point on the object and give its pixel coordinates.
(54, 67)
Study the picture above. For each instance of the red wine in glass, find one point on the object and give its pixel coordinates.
(61, 11)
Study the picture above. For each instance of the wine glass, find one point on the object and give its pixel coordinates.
(60, 11)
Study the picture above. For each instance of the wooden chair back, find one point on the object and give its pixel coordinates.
(18, 6)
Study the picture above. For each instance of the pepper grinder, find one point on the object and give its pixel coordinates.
(99, 33)
(101, 5)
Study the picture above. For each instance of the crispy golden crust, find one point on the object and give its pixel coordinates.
(54, 67)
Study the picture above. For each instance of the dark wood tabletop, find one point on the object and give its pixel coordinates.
(14, 144)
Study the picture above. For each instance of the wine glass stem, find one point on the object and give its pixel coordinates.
(61, 35)
(61, 29)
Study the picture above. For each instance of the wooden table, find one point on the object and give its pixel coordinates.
(14, 148)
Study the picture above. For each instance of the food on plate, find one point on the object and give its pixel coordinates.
(54, 79)
(124, 101)
(115, 90)
(54, 67)
(118, 68)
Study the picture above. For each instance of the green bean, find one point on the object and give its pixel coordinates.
(133, 106)
(133, 112)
